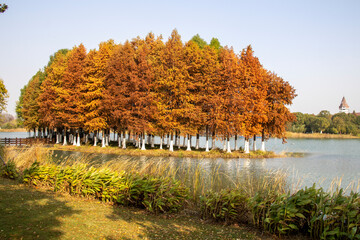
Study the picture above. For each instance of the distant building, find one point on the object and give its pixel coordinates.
(344, 107)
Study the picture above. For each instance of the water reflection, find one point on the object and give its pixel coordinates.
(325, 161)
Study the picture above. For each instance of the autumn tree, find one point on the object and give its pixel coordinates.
(116, 95)
(69, 91)
(94, 117)
(30, 106)
(49, 97)
(170, 87)
(254, 86)
(279, 95)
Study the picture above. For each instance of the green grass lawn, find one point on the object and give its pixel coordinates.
(29, 213)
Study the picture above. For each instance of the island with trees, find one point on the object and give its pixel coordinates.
(149, 87)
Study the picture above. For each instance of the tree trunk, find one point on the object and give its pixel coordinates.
(168, 141)
(124, 140)
(143, 141)
(137, 141)
(152, 141)
(78, 140)
(103, 139)
(106, 138)
(263, 141)
(74, 139)
(57, 137)
(197, 141)
(176, 138)
(148, 139)
(213, 147)
(236, 145)
(95, 138)
(188, 143)
(171, 148)
(65, 142)
(119, 138)
(207, 139)
(224, 144)
(161, 141)
(246, 147)
(254, 143)
(228, 145)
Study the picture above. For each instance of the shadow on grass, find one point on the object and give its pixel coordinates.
(29, 214)
(173, 226)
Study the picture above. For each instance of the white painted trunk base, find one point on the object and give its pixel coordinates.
(143, 144)
(247, 146)
(103, 141)
(171, 148)
(161, 142)
(197, 143)
(107, 136)
(207, 146)
(65, 142)
(57, 138)
(263, 146)
(228, 146)
(152, 141)
(254, 144)
(224, 145)
(124, 143)
(95, 141)
(188, 145)
(78, 140)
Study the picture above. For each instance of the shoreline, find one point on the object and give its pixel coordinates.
(155, 152)
(14, 130)
(292, 135)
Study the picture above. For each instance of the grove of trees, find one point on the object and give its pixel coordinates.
(324, 122)
(147, 87)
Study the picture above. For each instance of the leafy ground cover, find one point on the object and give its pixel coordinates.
(34, 213)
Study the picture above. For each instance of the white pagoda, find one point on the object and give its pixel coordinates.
(344, 107)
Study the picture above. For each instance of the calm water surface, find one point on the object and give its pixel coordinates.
(325, 160)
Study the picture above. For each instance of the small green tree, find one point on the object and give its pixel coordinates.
(215, 44)
(3, 7)
(3, 96)
(199, 41)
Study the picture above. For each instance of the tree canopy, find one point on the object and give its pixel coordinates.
(148, 85)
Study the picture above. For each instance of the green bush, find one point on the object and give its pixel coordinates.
(9, 170)
(155, 193)
(226, 205)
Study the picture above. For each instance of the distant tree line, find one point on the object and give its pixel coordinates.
(151, 87)
(324, 122)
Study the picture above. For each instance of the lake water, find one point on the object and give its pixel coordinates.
(324, 161)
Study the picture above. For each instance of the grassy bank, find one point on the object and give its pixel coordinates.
(155, 152)
(28, 213)
(262, 200)
(320, 136)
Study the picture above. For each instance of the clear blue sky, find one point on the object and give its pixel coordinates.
(315, 45)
